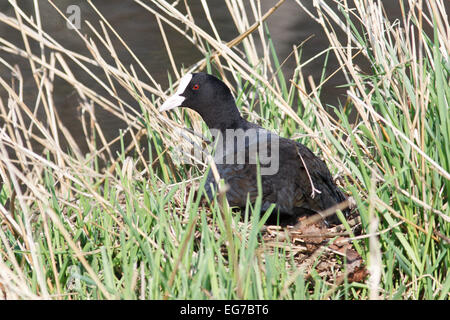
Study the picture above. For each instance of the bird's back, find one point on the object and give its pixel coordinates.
(302, 183)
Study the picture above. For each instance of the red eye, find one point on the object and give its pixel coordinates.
(195, 87)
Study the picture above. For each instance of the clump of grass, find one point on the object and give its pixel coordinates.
(137, 229)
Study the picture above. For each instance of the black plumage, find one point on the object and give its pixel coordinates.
(290, 188)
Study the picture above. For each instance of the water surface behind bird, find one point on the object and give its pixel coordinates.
(288, 26)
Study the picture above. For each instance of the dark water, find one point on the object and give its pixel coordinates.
(288, 26)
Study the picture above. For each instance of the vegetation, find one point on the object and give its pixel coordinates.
(136, 228)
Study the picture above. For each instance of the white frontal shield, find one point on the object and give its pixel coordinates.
(177, 99)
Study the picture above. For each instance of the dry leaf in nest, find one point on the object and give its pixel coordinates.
(355, 269)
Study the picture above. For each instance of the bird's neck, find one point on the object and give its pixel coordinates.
(224, 118)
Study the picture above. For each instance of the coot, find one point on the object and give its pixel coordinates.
(295, 180)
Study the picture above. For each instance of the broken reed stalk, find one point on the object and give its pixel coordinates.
(245, 34)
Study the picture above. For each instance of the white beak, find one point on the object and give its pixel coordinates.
(177, 99)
